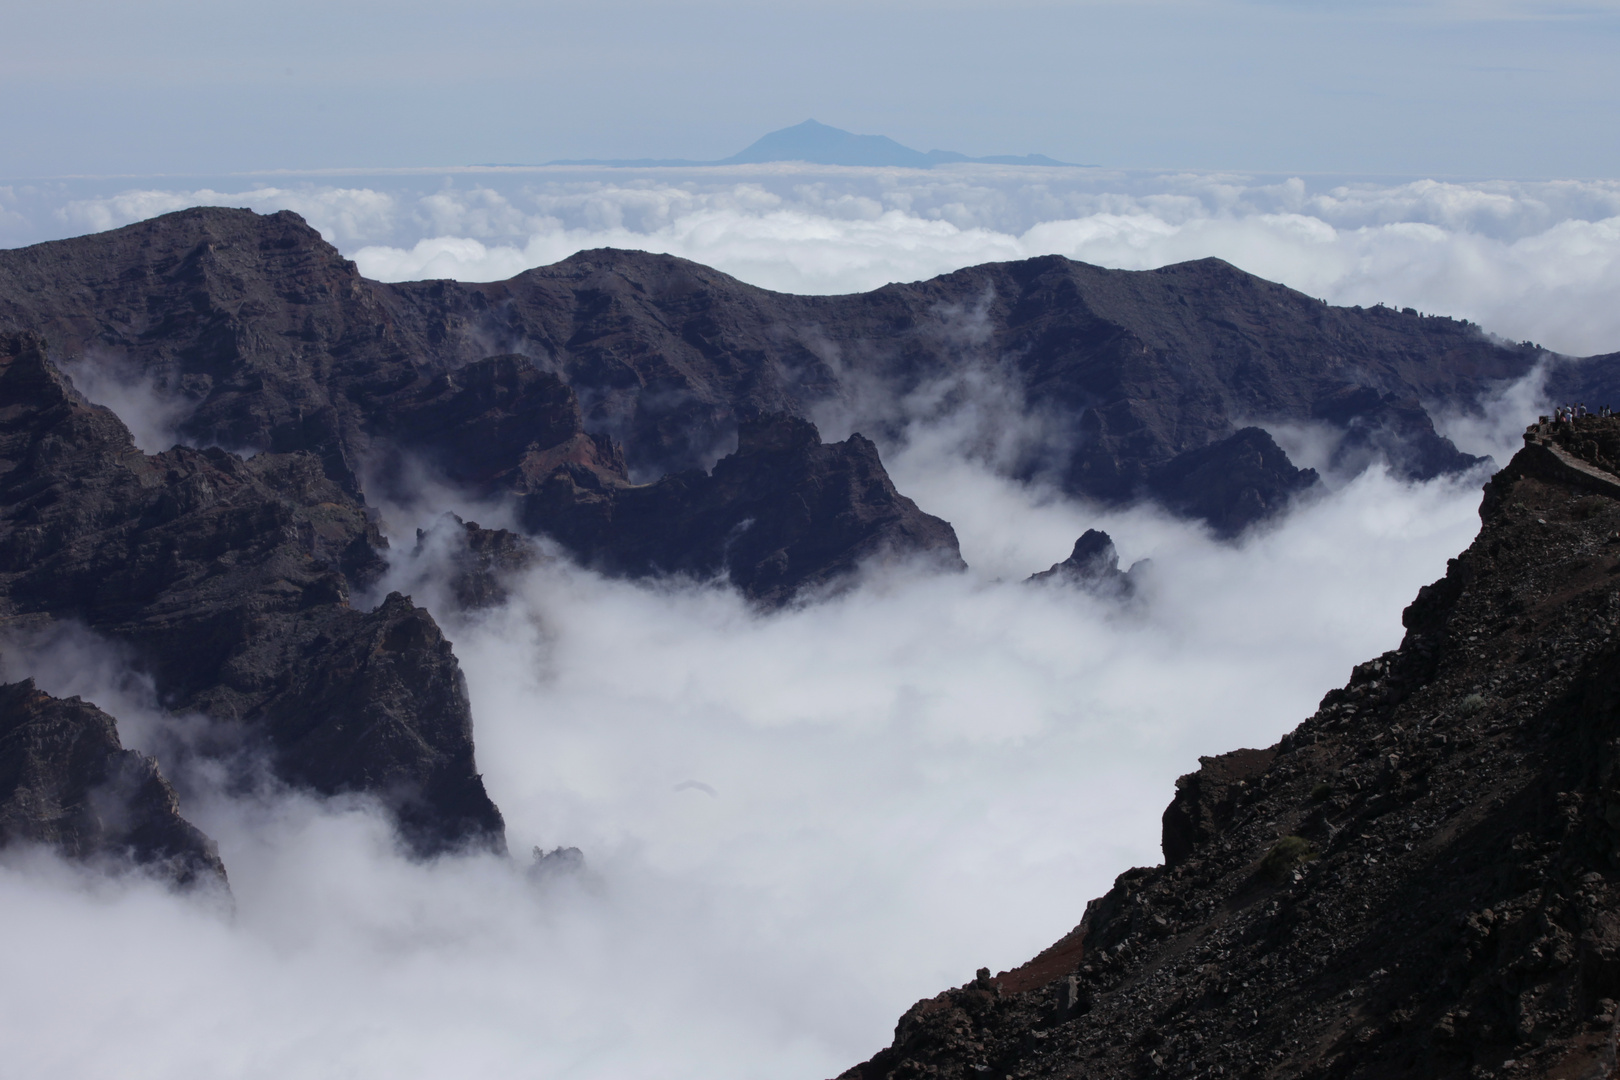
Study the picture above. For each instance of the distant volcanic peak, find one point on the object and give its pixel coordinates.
(816, 143)
(66, 782)
(820, 144)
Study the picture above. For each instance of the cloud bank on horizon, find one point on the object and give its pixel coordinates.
(1528, 260)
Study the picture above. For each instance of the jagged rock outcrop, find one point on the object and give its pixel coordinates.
(230, 580)
(481, 560)
(1206, 800)
(782, 514)
(275, 342)
(1421, 880)
(1094, 566)
(1232, 483)
(66, 782)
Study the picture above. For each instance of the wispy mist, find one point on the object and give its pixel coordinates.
(152, 411)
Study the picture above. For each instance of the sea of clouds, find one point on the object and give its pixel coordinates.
(794, 824)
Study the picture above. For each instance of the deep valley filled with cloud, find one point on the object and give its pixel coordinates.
(541, 587)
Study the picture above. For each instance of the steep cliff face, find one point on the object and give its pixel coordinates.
(275, 342)
(230, 581)
(66, 782)
(1422, 879)
(783, 514)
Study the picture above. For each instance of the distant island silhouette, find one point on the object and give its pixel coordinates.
(821, 144)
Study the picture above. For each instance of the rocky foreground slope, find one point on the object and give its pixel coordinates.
(1421, 880)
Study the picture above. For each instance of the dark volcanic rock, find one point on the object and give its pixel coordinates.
(277, 343)
(230, 580)
(66, 782)
(1421, 880)
(784, 513)
(1232, 483)
(1093, 565)
(1205, 800)
(481, 559)
(480, 423)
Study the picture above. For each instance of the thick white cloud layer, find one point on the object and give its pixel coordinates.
(1527, 260)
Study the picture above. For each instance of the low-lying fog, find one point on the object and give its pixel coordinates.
(794, 825)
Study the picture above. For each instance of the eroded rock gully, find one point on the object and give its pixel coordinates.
(1421, 880)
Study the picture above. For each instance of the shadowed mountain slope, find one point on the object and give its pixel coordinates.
(782, 514)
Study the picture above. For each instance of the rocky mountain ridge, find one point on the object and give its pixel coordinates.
(227, 578)
(271, 340)
(650, 415)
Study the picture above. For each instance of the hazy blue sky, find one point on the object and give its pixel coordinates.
(1507, 89)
